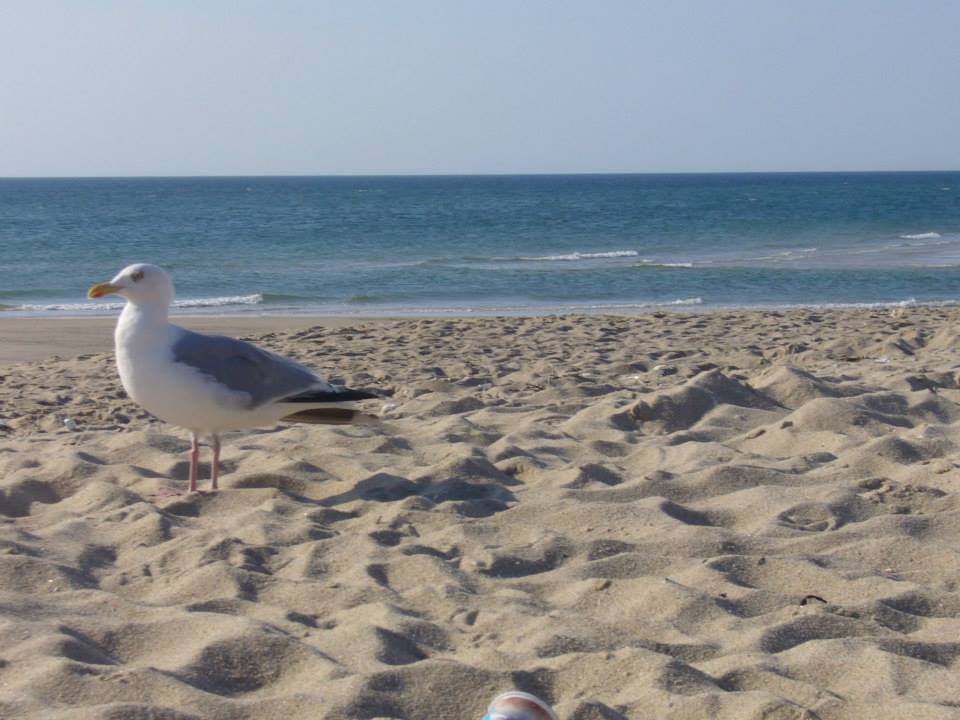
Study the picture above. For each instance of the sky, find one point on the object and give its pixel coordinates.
(287, 87)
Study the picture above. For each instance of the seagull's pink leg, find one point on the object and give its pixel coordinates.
(194, 461)
(215, 472)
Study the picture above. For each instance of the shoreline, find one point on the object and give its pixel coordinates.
(349, 312)
(23, 340)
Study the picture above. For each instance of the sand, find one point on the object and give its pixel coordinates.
(736, 515)
(40, 338)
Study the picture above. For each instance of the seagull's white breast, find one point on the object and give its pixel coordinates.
(171, 391)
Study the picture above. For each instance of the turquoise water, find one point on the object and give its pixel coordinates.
(374, 245)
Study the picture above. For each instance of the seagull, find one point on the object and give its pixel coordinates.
(210, 383)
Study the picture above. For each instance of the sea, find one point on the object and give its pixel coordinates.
(488, 245)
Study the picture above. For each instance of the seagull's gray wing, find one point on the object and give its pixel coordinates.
(242, 367)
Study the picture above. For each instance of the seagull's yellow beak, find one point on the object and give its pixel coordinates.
(98, 291)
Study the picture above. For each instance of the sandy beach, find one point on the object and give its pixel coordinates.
(735, 515)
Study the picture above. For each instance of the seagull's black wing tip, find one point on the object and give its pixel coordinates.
(335, 396)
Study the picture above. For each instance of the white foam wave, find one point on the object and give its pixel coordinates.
(255, 299)
(653, 263)
(68, 307)
(585, 256)
(878, 305)
(795, 254)
(921, 236)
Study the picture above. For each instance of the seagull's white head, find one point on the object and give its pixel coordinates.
(141, 284)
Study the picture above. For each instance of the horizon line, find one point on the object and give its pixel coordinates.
(468, 174)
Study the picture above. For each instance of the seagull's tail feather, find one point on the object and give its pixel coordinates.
(332, 416)
(330, 396)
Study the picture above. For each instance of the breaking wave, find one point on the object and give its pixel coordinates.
(574, 256)
(225, 301)
(686, 301)
(921, 236)
(652, 264)
(255, 299)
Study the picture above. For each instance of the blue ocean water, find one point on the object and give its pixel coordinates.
(487, 244)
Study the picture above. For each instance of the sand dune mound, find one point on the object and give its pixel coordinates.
(791, 387)
(681, 408)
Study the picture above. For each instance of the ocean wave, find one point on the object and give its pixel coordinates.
(921, 236)
(877, 305)
(506, 260)
(574, 256)
(268, 297)
(654, 264)
(68, 307)
(789, 255)
(255, 299)
(372, 299)
(612, 306)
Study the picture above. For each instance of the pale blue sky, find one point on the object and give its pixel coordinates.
(171, 87)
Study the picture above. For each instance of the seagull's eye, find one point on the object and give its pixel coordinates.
(137, 276)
